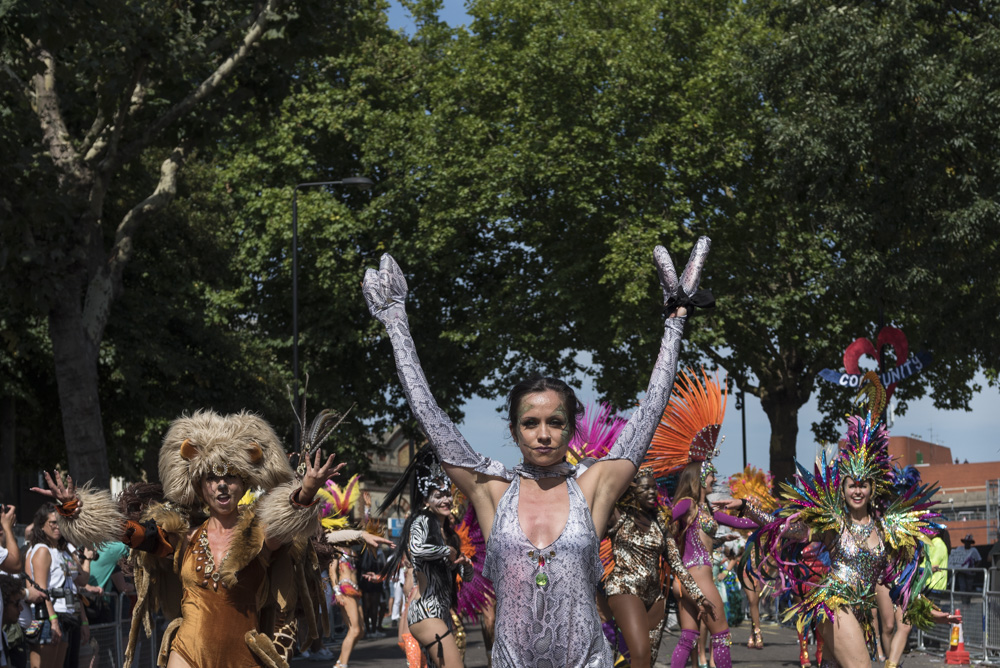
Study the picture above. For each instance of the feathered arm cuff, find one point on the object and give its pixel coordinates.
(681, 573)
(284, 521)
(98, 520)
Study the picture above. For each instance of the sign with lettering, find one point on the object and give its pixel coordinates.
(888, 337)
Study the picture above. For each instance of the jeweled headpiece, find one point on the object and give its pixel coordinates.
(690, 425)
(422, 476)
(865, 456)
(707, 469)
(431, 478)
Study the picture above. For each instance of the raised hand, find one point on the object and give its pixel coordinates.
(316, 475)
(59, 490)
(385, 289)
(8, 517)
(727, 504)
(677, 291)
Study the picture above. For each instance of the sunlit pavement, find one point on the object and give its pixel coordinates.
(780, 651)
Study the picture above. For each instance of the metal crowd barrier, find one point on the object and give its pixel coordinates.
(112, 638)
(980, 613)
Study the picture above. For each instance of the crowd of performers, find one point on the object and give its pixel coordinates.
(567, 559)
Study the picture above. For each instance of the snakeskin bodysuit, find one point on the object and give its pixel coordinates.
(546, 616)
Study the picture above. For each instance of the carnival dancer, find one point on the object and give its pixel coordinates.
(209, 577)
(757, 487)
(871, 535)
(686, 440)
(431, 545)
(639, 538)
(542, 525)
(336, 505)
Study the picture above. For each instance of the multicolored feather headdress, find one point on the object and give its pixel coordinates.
(866, 453)
(690, 425)
(337, 502)
(595, 433)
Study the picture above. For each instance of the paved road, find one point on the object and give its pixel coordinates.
(780, 651)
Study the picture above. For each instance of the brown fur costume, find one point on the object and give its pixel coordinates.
(196, 446)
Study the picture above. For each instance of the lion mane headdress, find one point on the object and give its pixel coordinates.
(206, 442)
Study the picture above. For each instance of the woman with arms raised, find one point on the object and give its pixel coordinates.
(542, 525)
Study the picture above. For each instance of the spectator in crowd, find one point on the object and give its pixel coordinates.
(12, 592)
(937, 556)
(10, 555)
(966, 556)
(51, 565)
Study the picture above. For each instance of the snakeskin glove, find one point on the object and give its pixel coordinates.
(385, 291)
(635, 438)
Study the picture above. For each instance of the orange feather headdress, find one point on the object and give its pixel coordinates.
(690, 425)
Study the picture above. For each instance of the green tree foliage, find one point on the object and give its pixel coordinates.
(530, 164)
(879, 118)
(103, 103)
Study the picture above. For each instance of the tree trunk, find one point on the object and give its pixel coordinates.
(76, 375)
(783, 413)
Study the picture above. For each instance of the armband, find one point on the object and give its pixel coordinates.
(69, 508)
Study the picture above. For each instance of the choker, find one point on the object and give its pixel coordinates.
(560, 470)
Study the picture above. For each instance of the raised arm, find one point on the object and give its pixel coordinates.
(385, 291)
(615, 470)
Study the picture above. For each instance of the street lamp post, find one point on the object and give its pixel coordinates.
(741, 406)
(352, 181)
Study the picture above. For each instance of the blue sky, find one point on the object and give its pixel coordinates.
(971, 435)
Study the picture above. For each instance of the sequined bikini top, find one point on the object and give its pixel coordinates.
(854, 560)
(706, 520)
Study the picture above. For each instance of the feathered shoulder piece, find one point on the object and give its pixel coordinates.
(866, 453)
(756, 486)
(909, 524)
(595, 433)
(814, 499)
(336, 502)
(689, 427)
